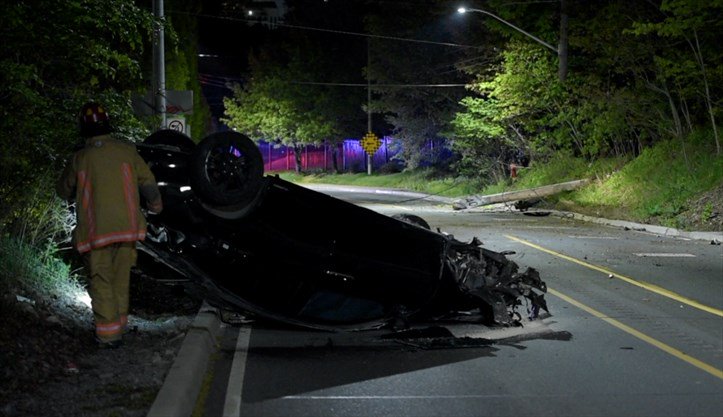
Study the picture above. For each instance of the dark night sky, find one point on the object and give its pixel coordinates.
(228, 40)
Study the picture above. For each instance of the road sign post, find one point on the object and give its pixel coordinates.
(370, 143)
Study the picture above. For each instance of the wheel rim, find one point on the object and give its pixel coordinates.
(228, 168)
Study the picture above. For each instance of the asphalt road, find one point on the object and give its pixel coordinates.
(636, 329)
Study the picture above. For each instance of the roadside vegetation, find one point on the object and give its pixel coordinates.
(50, 67)
(674, 183)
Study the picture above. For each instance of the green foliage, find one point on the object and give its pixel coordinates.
(182, 62)
(658, 183)
(48, 68)
(707, 213)
(277, 103)
(689, 62)
(638, 75)
(35, 269)
(514, 106)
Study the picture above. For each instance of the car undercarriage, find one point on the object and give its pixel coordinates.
(266, 247)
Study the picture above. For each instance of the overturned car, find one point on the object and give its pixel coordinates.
(267, 247)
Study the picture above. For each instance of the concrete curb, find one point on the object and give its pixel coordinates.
(177, 397)
(639, 227)
(713, 237)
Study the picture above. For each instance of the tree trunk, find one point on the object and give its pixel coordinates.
(297, 158)
(334, 162)
(708, 101)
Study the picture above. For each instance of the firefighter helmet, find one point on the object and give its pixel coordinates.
(93, 120)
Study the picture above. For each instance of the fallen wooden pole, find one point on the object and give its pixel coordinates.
(545, 190)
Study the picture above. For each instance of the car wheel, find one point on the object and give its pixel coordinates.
(171, 137)
(226, 169)
(412, 219)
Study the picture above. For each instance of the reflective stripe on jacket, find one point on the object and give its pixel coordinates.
(104, 178)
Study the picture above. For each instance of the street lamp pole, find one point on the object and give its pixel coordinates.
(561, 52)
(538, 40)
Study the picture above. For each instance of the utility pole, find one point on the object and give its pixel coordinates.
(159, 64)
(562, 46)
(369, 108)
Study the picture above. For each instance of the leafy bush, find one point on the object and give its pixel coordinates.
(35, 269)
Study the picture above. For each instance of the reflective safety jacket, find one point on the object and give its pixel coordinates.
(104, 179)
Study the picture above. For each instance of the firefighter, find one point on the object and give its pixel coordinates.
(106, 179)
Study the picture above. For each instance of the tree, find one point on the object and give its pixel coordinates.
(691, 59)
(182, 61)
(272, 107)
(403, 72)
(630, 85)
(48, 68)
(297, 92)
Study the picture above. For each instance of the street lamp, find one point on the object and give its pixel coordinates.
(538, 40)
(561, 52)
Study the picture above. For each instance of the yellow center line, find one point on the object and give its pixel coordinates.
(642, 284)
(642, 336)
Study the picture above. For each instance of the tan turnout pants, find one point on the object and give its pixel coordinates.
(109, 271)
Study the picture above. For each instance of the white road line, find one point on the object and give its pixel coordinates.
(593, 237)
(406, 397)
(665, 255)
(234, 389)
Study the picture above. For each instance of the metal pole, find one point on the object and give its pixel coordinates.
(159, 63)
(538, 40)
(369, 108)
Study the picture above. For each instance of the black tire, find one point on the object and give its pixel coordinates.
(226, 169)
(412, 219)
(171, 138)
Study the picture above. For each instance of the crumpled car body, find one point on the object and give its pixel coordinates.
(283, 252)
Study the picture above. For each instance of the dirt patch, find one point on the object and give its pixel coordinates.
(52, 367)
(704, 213)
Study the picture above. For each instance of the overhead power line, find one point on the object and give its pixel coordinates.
(373, 86)
(339, 32)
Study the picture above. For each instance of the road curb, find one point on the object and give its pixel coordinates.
(177, 397)
(639, 227)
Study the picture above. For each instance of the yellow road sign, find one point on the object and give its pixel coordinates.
(371, 143)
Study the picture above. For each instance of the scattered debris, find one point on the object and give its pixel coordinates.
(536, 213)
(22, 299)
(71, 368)
(429, 332)
(524, 205)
